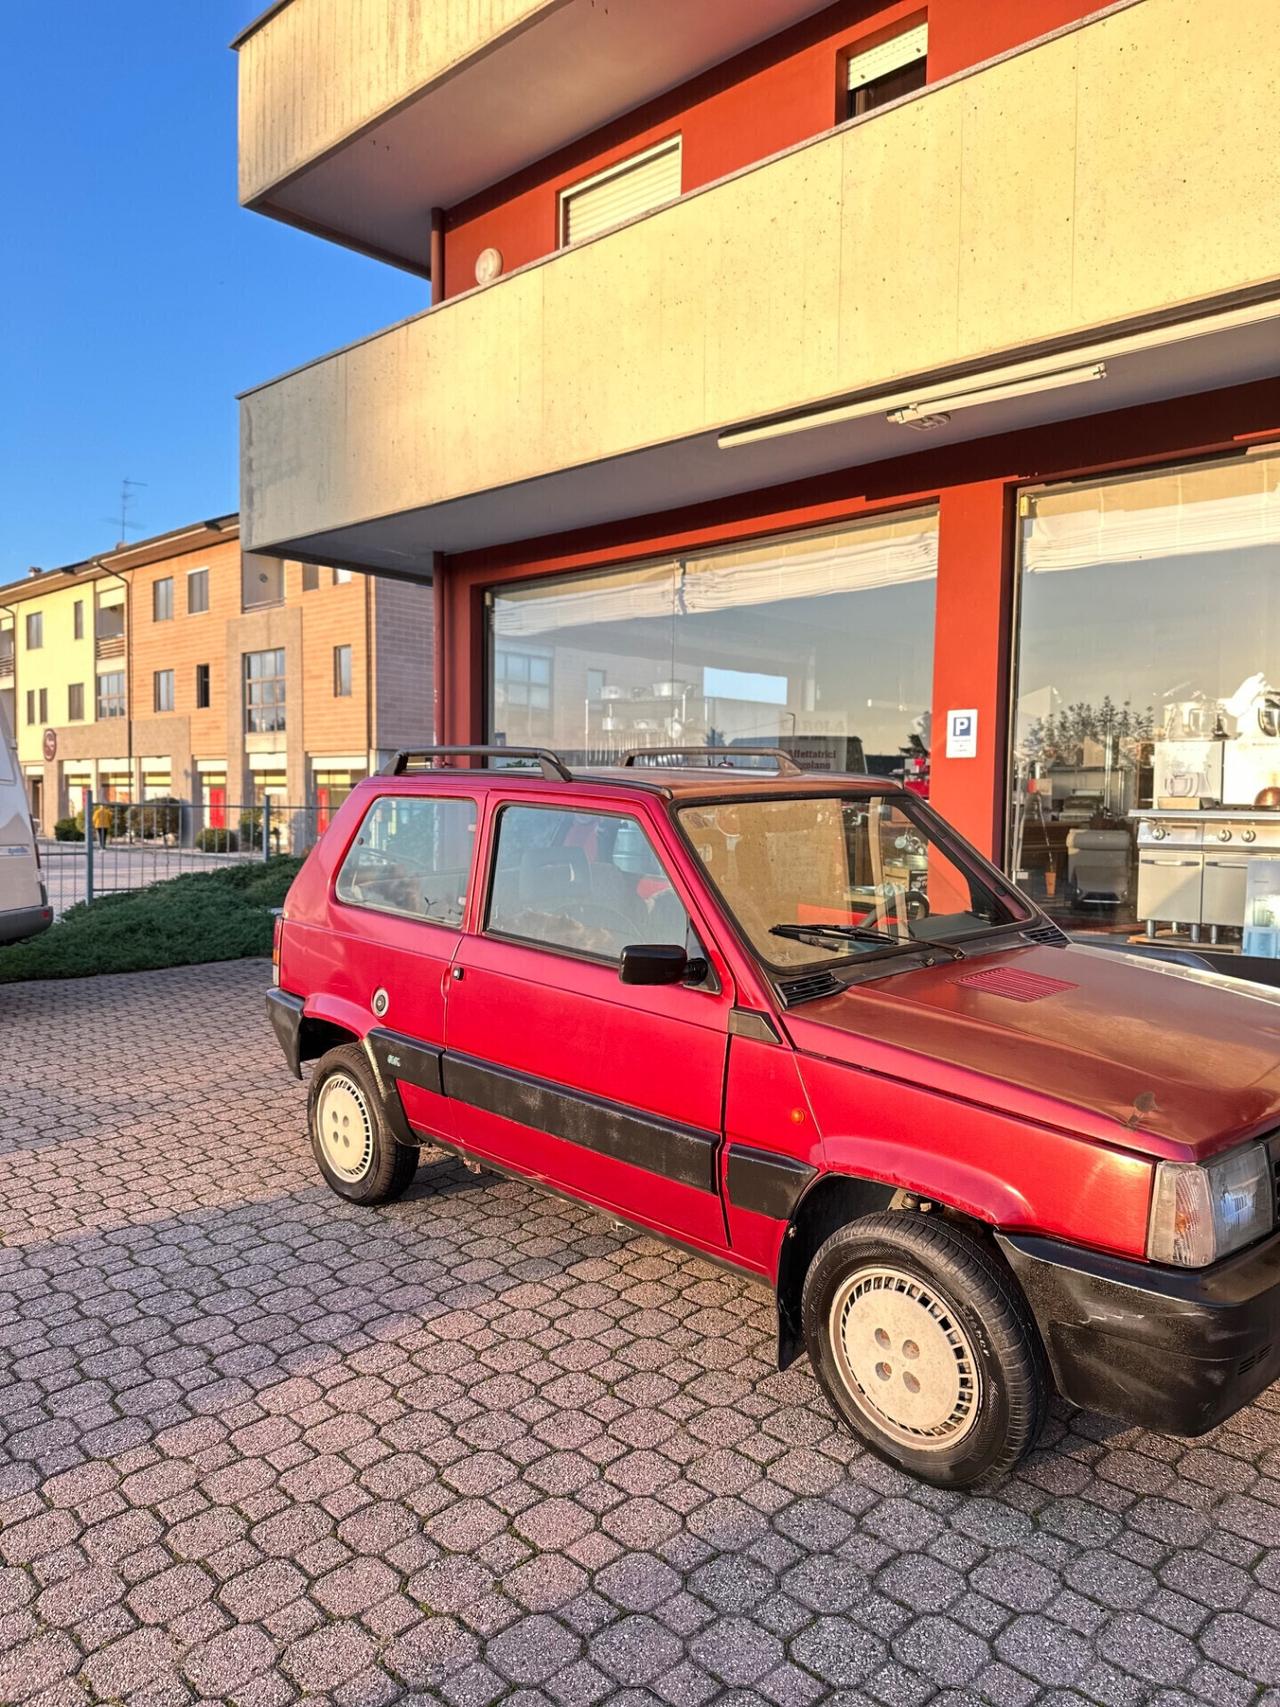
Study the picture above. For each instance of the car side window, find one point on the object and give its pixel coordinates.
(412, 856)
(587, 882)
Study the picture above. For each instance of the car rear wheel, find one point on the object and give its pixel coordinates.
(355, 1152)
(925, 1348)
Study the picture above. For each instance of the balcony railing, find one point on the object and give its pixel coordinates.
(6, 664)
(1033, 205)
(109, 646)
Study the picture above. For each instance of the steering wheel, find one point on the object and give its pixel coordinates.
(917, 903)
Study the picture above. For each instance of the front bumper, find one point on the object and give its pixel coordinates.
(1173, 1350)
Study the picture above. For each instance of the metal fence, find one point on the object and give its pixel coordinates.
(155, 840)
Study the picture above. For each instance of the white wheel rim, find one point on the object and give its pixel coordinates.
(905, 1361)
(344, 1128)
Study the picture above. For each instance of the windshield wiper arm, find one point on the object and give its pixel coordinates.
(864, 933)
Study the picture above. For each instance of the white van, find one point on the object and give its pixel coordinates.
(24, 905)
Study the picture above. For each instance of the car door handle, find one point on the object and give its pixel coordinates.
(458, 973)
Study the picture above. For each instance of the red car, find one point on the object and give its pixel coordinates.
(796, 1023)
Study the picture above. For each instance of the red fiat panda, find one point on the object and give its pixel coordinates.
(797, 1023)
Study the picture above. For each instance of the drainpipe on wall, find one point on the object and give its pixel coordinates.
(439, 718)
(437, 255)
(368, 674)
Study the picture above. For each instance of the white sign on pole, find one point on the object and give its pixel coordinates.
(962, 734)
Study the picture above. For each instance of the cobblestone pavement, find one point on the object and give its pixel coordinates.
(262, 1447)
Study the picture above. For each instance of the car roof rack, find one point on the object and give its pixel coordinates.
(551, 764)
(715, 756)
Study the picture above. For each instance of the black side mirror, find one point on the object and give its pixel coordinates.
(653, 963)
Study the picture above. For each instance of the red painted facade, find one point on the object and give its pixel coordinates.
(782, 92)
(975, 486)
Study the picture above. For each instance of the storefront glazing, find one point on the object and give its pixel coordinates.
(818, 643)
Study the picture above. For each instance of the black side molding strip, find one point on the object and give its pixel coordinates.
(766, 1182)
(399, 1057)
(686, 1154)
(285, 1013)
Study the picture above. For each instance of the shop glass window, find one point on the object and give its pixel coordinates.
(342, 672)
(111, 694)
(163, 696)
(412, 856)
(162, 599)
(197, 592)
(818, 643)
(586, 882)
(75, 702)
(202, 687)
(264, 692)
(1146, 698)
(35, 630)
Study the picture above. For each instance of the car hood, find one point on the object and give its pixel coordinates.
(1161, 1058)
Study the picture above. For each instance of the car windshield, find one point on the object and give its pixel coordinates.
(815, 879)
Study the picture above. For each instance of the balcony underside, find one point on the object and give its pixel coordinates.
(356, 116)
(914, 254)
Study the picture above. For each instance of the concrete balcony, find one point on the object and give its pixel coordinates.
(359, 116)
(1101, 202)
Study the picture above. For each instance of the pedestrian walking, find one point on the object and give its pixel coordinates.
(102, 820)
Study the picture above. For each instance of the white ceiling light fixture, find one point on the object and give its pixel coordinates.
(939, 410)
(924, 414)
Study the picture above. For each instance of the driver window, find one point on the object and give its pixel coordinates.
(584, 881)
(412, 857)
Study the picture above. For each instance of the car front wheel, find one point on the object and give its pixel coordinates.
(353, 1148)
(925, 1348)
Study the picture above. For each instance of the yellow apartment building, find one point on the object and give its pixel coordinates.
(182, 668)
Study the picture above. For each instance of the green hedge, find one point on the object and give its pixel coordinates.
(202, 916)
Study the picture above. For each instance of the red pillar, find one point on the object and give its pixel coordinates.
(971, 655)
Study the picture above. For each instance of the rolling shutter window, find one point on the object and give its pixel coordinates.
(622, 192)
(890, 56)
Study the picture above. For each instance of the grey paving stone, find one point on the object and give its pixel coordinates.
(265, 1449)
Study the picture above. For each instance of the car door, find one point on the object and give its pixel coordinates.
(398, 902)
(612, 1092)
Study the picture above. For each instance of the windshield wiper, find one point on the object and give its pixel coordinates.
(864, 933)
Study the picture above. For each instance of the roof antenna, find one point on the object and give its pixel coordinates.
(127, 489)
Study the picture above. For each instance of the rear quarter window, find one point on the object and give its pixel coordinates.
(412, 857)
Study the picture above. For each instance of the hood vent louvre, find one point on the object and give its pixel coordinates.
(809, 987)
(1016, 986)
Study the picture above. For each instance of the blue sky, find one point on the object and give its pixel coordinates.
(136, 297)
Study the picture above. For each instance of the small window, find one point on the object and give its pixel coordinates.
(310, 577)
(412, 856)
(35, 630)
(887, 71)
(44, 705)
(75, 702)
(162, 600)
(587, 882)
(164, 690)
(197, 592)
(264, 692)
(342, 672)
(341, 577)
(111, 698)
(77, 620)
(621, 192)
(261, 581)
(202, 687)
(31, 706)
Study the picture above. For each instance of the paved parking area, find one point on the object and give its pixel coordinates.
(260, 1447)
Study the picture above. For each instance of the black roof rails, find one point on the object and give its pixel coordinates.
(717, 756)
(551, 764)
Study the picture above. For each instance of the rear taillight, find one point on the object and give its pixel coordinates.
(275, 948)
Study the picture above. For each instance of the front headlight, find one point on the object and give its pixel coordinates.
(1200, 1213)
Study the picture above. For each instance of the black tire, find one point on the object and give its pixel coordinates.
(378, 1168)
(978, 1347)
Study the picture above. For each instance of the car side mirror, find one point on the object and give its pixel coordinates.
(653, 963)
